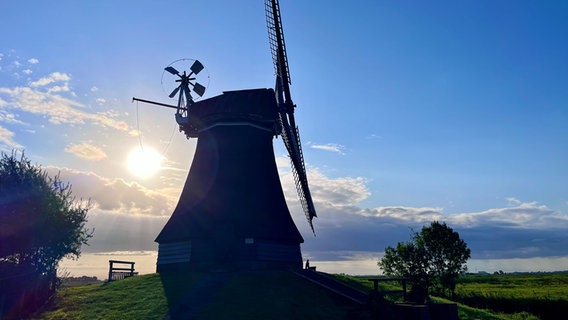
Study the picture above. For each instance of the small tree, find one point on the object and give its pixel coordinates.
(447, 254)
(410, 261)
(40, 222)
(433, 259)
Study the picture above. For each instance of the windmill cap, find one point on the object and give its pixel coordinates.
(256, 106)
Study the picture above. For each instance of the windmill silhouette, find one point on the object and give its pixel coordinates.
(232, 211)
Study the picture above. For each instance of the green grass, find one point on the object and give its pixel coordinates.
(465, 312)
(247, 295)
(281, 295)
(544, 295)
(277, 295)
(133, 298)
(552, 286)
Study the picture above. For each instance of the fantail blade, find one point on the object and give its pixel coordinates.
(174, 92)
(199, 89)
(196, 67)
(171, 70)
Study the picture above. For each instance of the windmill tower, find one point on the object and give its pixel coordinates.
(232, 211)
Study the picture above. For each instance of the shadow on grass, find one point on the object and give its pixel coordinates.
(253, 295)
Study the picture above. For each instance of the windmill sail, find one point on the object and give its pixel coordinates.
(290, 133)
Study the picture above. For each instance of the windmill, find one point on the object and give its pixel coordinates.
(232, 211)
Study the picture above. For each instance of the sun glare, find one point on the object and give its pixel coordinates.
(144, 163)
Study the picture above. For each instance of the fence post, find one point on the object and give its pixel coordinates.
(132, 269)
(110, 271)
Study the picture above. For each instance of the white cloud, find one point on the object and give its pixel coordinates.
(117, 196)
(54, 77)
(405, 214)
(343, 191)
(331, 147)
(94, 89)
(336, 192)
(63, 88)
(27, 71)
(58, 109)
(86, 151)
(7, 140)
(513, 201)
(33, 61)
(373, 136)
(127, 253)
(8, 117)
(101, 101)
(524, 215)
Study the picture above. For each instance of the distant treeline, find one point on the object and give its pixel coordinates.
(81, 279)
(77, 281)
(500, 272)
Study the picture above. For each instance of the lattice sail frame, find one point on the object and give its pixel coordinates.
(290, 132)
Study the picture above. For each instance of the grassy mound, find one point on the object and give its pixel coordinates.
(247, 295)
(134, 298)
(244, 295)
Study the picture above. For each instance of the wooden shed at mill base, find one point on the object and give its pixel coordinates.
(232, 211)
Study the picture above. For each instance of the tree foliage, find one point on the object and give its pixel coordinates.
(41, 222)
(433, 259)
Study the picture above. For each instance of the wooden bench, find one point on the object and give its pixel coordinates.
(376, 285)
(120, 273)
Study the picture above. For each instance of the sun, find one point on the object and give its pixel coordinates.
(144, 162)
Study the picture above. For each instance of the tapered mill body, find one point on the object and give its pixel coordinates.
(232, 211)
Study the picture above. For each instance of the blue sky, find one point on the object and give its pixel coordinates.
(408, 111)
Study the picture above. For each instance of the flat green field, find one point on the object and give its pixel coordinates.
(465, 311)
(542, 294)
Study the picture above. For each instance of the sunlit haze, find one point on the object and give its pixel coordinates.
(144, 162)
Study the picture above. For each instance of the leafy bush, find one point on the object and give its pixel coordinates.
(40, 223)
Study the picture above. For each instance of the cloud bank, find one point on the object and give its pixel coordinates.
(516, 230)
(128, 216)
